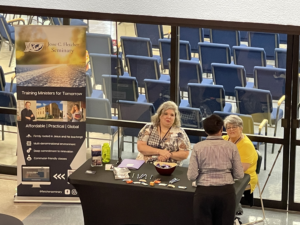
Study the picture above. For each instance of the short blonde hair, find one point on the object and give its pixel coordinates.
(234, 120)
(164, 107)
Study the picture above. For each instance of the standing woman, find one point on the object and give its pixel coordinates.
(214, 164)
(164, 139)
(76, 114)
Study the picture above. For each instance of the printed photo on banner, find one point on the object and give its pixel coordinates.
(51, 56)
(59, 111)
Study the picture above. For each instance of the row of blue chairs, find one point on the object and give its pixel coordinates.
(208, 52)
(195, 35)
(208, 98)
(147, 67)
(228, 75)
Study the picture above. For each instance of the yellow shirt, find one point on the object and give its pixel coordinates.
(248, 154)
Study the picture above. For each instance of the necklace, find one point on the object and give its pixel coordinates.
(236, 140)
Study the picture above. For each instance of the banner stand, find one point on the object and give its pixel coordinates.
(51, 111)
(31, 199)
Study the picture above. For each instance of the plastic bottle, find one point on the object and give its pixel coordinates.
(106, 153)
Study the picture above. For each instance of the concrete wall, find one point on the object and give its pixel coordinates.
(257, 11)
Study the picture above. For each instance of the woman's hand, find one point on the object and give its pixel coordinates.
(162, 159)
(164, 153)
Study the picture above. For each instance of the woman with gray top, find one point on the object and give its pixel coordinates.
(76, 114)
(214, 164)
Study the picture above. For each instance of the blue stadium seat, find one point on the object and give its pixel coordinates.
(280, 58)
(213, 53)
(249, 57)
(267, 41)
(272, 79)
(154, 32)
(143, 67)
(230, 76)
(208, 98)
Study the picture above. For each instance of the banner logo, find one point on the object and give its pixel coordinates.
(34, 46)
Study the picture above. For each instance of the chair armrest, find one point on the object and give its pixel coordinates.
(281, 100)
(278, 107)
(263, 124)
(16, 20)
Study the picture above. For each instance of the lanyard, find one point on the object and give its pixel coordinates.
(236, 140)
(161, 139)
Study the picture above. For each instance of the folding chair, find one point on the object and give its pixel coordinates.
(105, 64)
(193, 36)
(191, 118)
(244, 36)
(267, 41)
(283, 38)
(249, 57)
(208, 98)
(154, 32)
(272, 79)
(4, 86)
(134, 111)
(137, 46)
(258, 103)
(206, 32)
(121, 88)
(143, 67)
(158, 92)
(190, 72)
(213, 53)
(165, 52)
(229, 37)
(230, 76)
(90, 92)
(99, 43)
(100, 108)
(280, 58)
(7, 34)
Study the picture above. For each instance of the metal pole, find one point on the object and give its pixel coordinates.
(272, 169)
(174, 89)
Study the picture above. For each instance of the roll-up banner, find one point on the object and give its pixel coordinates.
(51, 112)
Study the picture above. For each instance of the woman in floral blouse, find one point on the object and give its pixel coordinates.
(163, 139)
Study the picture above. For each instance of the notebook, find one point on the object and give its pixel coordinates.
(131, 164)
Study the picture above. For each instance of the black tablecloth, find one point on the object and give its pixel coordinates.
(107, 201)
(9, 220)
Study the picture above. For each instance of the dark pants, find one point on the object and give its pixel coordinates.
(214, 205)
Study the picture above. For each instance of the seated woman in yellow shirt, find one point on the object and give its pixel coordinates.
(248, 154)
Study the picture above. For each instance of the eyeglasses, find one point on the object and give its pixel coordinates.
(231, 128)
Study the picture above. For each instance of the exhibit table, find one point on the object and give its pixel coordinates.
(9, 220)
(107, 201)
